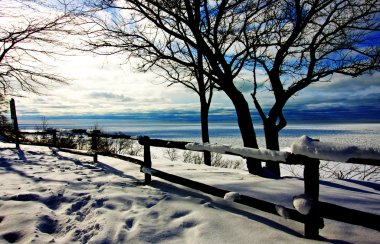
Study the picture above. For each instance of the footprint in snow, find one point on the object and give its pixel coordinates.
(180, 214)
(188, 224)
(99, 202)
(78, 205)
(12, 237)
(129, 223)
(153, 215)
(47, 225)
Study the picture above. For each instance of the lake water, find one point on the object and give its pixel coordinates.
(226, 133)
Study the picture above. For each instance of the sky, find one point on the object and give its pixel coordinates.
(104, 86)
(110, 86)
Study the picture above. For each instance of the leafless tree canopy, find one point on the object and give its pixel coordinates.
(29, 38)
(303, 42)
(173, 31)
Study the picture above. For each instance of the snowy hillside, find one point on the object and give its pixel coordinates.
(48, 197)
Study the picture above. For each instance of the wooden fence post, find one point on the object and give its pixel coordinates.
(55, 143)
(54, 132)
(311, 184)
(15, 122)
(147, 159)
(94, 146)
(207, 158)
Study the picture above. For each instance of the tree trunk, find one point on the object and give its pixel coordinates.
(205, 106)
(272, 141)
(204, 126)
(245, 124)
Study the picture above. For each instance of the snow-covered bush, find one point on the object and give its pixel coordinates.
(119, 146)
(192, 157)
(172, 154)
(217, 160)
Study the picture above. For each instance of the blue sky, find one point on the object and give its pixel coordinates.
(101, 87)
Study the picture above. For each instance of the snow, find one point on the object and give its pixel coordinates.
(146, 170)
(65, 198)
(282, 211)
(302, 203)
(262, 154)
(332, 151)
(231, 196)
(217, 148)
(304, 146)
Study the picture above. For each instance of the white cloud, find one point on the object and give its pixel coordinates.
(100, 84)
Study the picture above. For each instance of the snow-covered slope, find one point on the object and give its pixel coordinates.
(65, 198)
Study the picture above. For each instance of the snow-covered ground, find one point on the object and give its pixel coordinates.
(48, 197)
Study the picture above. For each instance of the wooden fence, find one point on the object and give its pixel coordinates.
(313, 220)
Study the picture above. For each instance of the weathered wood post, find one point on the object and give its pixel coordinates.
(147, 159)
(207, 158)
(54, 132)
(94, 146)
(15, 122)
(311, 184)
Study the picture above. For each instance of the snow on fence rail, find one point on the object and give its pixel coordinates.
(335, 152)
(306, 151)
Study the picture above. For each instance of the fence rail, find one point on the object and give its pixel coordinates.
(313, 220)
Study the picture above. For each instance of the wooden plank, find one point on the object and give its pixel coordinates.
(75, 152)
(363, 161)
(351, 216)
(117, 136)
(166, 143)
(123, 157)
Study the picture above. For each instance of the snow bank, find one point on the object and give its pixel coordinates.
(262, 154)
(332, 151)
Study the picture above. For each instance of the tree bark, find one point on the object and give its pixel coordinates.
(272, 141)
(205, 106)
(245, 124)
(204, 127)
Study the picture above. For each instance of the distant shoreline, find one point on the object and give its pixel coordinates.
(225, 133)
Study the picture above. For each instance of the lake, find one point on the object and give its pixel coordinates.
(226, 133)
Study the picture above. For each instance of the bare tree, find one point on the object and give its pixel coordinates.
(185, 67)
(157, 30)
(298, 43)
(195, 80)
(30, 36)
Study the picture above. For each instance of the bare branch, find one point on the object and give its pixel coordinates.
(27, 40)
